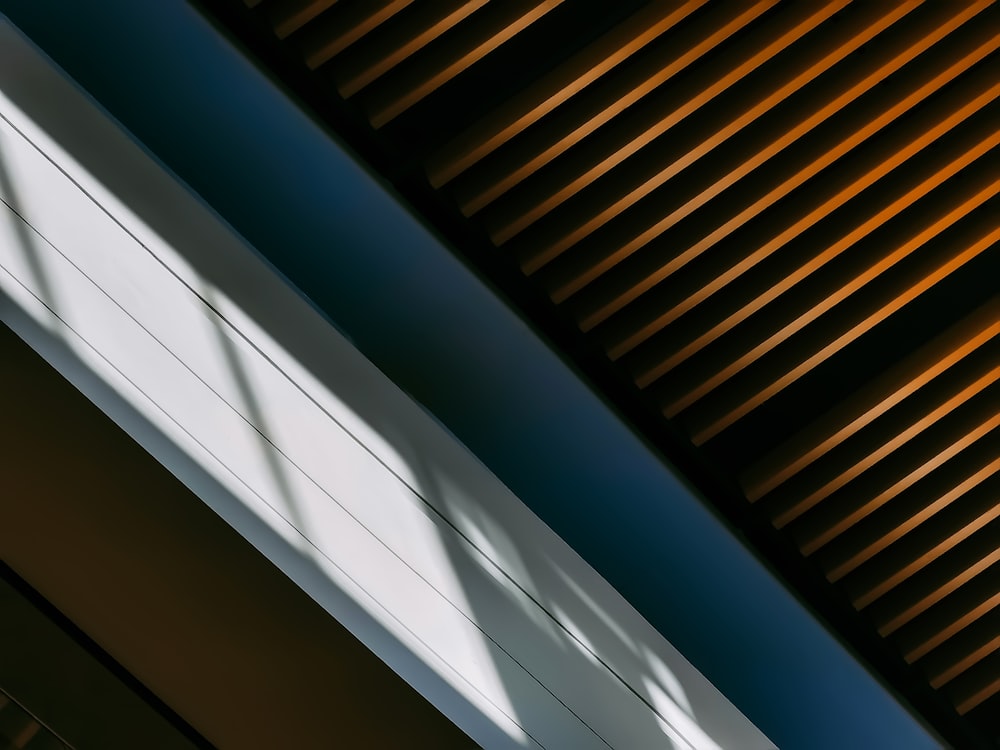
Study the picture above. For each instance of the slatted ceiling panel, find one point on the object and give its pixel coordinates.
(832, 384)
(289, 16)
(979, 684)
(966, 337)
(931, 582)
(978, 689)
(913, 551)
(613, 171)
(517, 114)
(954, 656)
(917, 497)
(947, 663)
(449, 56)
(752, 198)
(777, 221)
(939, 499)
(835, 469)
(889, 479)
(955, 146)
(635, 80)
(957, 660)
(951, 616)
(810, 293)
(621, 139)
(763, 369)
(340, 26)
(746, 153)
(739, 158)
(503, 72)
(839, 280)
(395, 42)
(816, 520)
(942, 576)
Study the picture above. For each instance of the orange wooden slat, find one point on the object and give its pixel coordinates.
(548, 92)
(816, 538)
(466, 51)
(346, 27)
(929, 556)
(879, 119)
(970, 659)
(713, 423)
(919, 422)
(535, 149)
(537, 253)
(873, 401)
(687, 346)
(356, 71)
(905, 615)
(918, 516)
(288, 17)
(982, 689)
(824, 57)
(961, 620)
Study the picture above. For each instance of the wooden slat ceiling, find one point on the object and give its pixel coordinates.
(777, 222)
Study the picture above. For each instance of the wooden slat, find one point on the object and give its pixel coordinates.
(343, 26)
(798, 228)
(847, 136)
(600, 104)
(971, 602)
(537, 250)
(877, 488)
(876, 399)
(839, 466)
(378, 55)
(929, 500)
(561, 231)
(289, 16)
(720, 415)
(979, 642)
(940, 578)
(981, 687)
(819, 57)
(809, 259)
(854, 458)
(905, 560)
(498, 24)
(553, 89)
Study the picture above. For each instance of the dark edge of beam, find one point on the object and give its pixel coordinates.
(102, 657)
